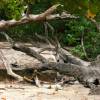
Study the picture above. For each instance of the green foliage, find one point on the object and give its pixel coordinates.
(78, 51)
(73, 36)
(26, 33)
(11, 9)
(14, 8)
(69, 32)
(80, 7)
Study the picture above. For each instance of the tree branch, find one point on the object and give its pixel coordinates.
(30, 18)
(46, 15)
(8, 67)
(27, 50)
(96, 24)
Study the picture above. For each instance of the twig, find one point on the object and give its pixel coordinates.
(82, 44)
(51, 27)
(10, 40)
(95, 23)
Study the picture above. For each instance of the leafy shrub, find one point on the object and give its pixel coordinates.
(73, 36)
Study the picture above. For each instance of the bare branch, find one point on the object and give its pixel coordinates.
(46, 15)
(51, 27)
(39, 17)
(82, 44)
(27, 50)
(72, 59)
(30, 52)
(10, 40)
(96, 24)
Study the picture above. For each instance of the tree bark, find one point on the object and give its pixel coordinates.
(28, 51)
(8, 67)
(46, 15)
(81, 70)
(85, 73)
(72, 59)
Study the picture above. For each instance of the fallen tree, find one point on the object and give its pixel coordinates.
(85, 72)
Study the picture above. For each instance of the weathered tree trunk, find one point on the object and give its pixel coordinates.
(46, 15)
(72, 66)
(81, 70)
(28, 51)
(86, 75)
(8, 67)
(72, 59)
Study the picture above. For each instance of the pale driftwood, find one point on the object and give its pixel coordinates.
(73, 66)
(28, 51)
(46, 15)
(26, 19)
(86, 75)
(61, 53)
(77, 67)
(72, 59)
(8, 67)
(89, 76)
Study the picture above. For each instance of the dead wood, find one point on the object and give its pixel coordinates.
(61, 53)
(76, 67)
(83, 71)
(8, 67)
(46, 15)
(70, 65)
(88, 76)
(29, 51)
(67, 56)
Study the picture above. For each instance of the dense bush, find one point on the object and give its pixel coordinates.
(91, 37)
(69, 32)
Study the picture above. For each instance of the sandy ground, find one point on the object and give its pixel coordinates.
(30, 92)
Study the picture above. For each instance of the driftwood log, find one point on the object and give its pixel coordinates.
(85, 72)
